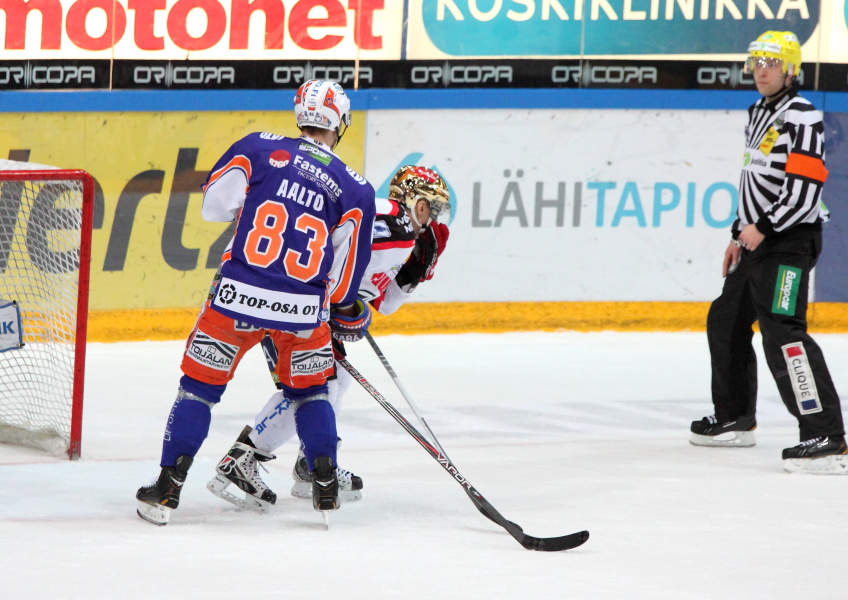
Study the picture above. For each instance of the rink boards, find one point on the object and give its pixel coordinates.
(610, 208)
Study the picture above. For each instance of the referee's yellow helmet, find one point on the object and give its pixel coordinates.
(775, 45)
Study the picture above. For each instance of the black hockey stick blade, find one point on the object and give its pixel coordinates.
(553, 544)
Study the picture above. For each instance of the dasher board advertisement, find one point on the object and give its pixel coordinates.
(201, 29)
(574, 205)
(150, 246)
(682, 29)
(547, 205)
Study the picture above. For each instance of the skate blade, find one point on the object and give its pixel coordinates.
(326, 515)
(826, 465)
(154, 513)
(304, 491)
(218, 486)
(731, 439)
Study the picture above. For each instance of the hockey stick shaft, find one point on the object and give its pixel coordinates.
(415, 410)
(529, 542)
(404, 393)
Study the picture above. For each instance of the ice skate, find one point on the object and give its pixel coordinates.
(325, 487)
(730, 434)
(157, 500)
(350, 485)
(239, 467)
(826, 455)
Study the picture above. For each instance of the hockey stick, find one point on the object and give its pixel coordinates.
(404, 393)
(418, 415)
(554, 544)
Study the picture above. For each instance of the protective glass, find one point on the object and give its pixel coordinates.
(439, 211)
(764, 62)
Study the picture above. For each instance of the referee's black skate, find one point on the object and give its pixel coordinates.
(325, 486)
(239, 467)
(738, 433)
(826, 455)
(157, 500)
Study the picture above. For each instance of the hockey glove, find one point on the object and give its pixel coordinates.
(441, 233)
(420, 265)
(350, 328)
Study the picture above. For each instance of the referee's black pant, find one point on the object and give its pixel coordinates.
(770, 286)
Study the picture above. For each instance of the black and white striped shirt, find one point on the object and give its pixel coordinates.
(783, 170)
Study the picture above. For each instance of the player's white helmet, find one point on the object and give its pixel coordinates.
(323, 104)
(413, 183)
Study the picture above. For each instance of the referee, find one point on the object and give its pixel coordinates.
(777, 239)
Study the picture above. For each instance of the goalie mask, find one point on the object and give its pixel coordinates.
(322, 104)
(413, 183)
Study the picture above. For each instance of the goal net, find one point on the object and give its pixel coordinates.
(45, 250)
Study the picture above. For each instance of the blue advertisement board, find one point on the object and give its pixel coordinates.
(609, 27)
(831, 282)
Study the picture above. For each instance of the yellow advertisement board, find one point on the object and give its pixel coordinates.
(150, 247)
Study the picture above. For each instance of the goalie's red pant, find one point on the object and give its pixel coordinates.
(218, 343)
(770, 287)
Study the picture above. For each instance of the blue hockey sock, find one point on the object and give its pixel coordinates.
(207, 391)
(316, 426)
(187, 427)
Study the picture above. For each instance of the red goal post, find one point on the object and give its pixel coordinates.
(45, 254)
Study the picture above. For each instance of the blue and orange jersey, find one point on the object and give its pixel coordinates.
(303, 230)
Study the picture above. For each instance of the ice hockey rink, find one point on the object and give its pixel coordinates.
(559, 431)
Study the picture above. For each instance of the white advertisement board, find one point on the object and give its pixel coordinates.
(573, 205)
(834, 28)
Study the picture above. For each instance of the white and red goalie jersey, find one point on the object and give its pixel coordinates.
(392, 242)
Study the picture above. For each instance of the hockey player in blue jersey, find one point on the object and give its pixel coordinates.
(291, 272)
(410, 234)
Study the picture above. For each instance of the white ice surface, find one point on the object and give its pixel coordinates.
(560, 431)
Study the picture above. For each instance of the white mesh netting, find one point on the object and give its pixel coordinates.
(40, 232)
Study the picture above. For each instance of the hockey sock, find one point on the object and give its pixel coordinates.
(316, 426)
(274, 425)
(207, 391)
(188, 423)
